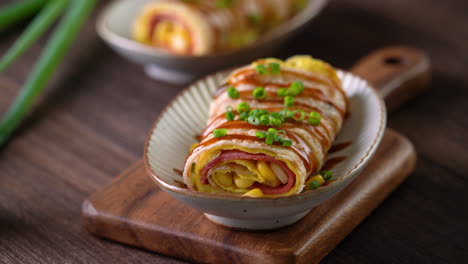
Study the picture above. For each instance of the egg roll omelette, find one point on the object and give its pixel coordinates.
(270, 127)
(200, 27)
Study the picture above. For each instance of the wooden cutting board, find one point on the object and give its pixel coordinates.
(134, 211)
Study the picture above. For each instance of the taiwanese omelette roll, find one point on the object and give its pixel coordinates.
(270, 127)
(201, 27)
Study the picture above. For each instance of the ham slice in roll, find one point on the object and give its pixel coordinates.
(200, 27)
(270, 127)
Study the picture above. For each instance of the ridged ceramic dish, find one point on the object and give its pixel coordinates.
(184, 118)
(115, 23)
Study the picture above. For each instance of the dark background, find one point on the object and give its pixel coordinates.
(93, 121)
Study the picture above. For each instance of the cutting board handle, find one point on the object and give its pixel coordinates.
(398, 73)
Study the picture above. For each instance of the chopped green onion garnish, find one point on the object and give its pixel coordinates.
(301, 117)
(233, 93)
(273, 136)
(254, 18)
(301, 86)
(221, 4)
(259, 93)
(230, 116)
(261, 134)
(253, 120)
(220, 132)
(327, 175)
(274, 67)
(280, 116)
(243, 107)
(261, 69)
(282, 92)
(286, 113)
(254, 112)
(298, 85)
(264, 120)
(243, 116)
(258, 112)
(314, 118)
(278, 138)
(293, 92)
(288, 101)
(272, 130)
(270, 138)
(296, 88)
(263, 112)
(314, 185)
(275, 121)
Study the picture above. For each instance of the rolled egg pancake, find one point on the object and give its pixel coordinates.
(270, 127)
(204, 26)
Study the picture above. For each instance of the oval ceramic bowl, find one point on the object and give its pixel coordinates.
(115, 23)
(185, 117)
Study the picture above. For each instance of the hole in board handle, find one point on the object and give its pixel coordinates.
(394, 61)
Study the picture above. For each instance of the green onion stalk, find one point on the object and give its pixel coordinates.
(38, 26)
(18, 11)
(56, 48)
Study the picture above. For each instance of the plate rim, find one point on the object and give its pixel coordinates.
(299, 196)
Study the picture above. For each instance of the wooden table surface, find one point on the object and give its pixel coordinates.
(93, 121)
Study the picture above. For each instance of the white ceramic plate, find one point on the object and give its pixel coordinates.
(115, 23)
(185, 117)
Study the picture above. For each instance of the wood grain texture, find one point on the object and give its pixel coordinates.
(399, 73)
(93, 122)
(134, 211)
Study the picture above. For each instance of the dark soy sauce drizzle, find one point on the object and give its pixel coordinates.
(331, 163)
(179, 172)
(338, 147)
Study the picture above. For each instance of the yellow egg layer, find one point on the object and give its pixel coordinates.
(305, 63)
(237, 176)
(166, 33)
(255, 193)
